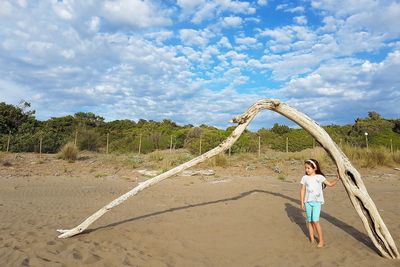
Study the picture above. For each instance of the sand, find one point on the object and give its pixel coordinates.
(237, 217)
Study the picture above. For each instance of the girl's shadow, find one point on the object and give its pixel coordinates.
(296, 215)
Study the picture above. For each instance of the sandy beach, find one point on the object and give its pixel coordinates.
(238, 217)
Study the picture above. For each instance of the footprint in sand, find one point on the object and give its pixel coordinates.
(25, 262)
(51, 243)
(77, 255)
(93, 258)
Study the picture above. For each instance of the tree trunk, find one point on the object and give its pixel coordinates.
(350, 177)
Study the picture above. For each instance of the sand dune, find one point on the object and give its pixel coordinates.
(224, 220)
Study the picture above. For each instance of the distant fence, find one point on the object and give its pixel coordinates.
(147, 142)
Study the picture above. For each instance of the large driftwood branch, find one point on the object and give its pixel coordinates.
(350, 177)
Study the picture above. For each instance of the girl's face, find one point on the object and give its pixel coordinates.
(309, 169)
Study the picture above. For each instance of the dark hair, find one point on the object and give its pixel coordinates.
(317, 168)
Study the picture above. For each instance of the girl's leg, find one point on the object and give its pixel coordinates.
(321, 242)
(314, 227)
(310, 226)
(318, 228)
(311, 231)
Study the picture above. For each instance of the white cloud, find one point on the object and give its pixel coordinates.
(63, 9)
(245, 40)
(224, 42)
(348, 89)
(300, 20)
(68, 54)
(262, 2)
(298, 9)
(22, 3)
(232, 21)
(330, 25)
(279, 35)
(245, 43)
(194, 37)
(287, 8)
(12, 92)
(160, 36)
(5, 9)
(344, 8)
(291, 64)
(94, 24)
(136, 13)
(189, 5)
(383, 20)
(200, 11)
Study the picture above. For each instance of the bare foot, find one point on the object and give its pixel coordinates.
(320, 245)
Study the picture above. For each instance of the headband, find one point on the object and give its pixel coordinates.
(312, 163)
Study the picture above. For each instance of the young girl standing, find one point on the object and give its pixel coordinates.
(311, 197)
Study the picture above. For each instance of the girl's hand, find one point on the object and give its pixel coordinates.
(302, 207)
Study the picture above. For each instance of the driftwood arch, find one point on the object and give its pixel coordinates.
(350, 177)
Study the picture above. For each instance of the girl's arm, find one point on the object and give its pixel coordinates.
(331, 183)
(334, 182)
(302, 192)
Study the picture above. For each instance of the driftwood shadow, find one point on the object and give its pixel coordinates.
(294, 213)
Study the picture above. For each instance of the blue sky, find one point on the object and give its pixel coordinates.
(201, 61)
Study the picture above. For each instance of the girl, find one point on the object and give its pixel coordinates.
(311, 197)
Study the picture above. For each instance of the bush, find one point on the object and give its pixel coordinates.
(89, 140)
(68, 152)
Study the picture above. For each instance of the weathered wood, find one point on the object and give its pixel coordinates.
(8, 141)
(350, 177)
(108, 141)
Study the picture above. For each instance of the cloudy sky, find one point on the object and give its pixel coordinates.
(201, 61)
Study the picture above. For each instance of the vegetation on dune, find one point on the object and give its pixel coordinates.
(68, 152)
(19, 126)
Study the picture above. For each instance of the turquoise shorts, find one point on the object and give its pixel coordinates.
(313, 210)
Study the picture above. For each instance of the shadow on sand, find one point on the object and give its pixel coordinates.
(294, 213)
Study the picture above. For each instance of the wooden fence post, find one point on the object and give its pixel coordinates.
(40, 146)
(391, 145)
(287, 144)
(200, 145)
(76, 137)
(140, 143)
(108, 140)
(8, 140)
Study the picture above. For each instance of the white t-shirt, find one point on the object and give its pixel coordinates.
(313, 187)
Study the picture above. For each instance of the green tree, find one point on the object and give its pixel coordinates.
(12, 117)
(374, 115)
(280, 129)
(88, 119)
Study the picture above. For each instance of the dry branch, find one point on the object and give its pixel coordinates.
(350, 177)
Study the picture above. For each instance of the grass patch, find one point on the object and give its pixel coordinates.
(371, 158)
(166, 159)
(69, 152)
(219, 160)
(396, 156)
(100, 175)
(282, 177)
